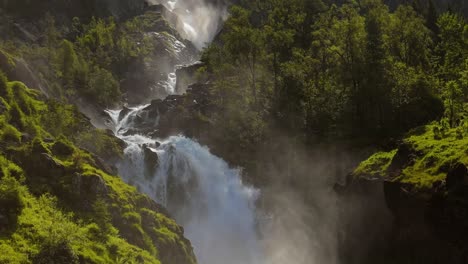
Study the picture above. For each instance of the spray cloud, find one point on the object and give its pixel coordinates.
(196, 20)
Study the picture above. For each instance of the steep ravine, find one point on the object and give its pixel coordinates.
(204, 194)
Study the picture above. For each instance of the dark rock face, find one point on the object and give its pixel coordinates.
(404, 157)
(151, 161)
(150, 78)
(124, 113)
(49, 167)
(62, 149)
(88, 188)
(186, 76)
(457, 177)
(365, 221)
(428, 225)
(18, 69)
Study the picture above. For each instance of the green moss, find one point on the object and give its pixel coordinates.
(437, 148)
(376, 165)
(9, 133)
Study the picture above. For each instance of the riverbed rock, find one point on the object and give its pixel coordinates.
(124, 112)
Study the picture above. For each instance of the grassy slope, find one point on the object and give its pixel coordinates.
(57, 205)
(435, 150)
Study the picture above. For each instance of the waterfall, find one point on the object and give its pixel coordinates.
(200, 190)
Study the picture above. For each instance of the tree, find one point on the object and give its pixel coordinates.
(453, 100)
(374, 93)
(451, 49)
(103, 87)
(68, 62)
(409, 39)
(243, 42)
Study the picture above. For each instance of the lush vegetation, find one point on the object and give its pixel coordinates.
(82, 58)
(431, 152)
(58, 204)
(357, 70)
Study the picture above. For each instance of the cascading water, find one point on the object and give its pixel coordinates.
(200, 190)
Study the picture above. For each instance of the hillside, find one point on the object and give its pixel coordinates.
(60, 203)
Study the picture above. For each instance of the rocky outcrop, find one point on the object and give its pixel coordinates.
(151, 161)
(150, 78)
(186, 76)
(18, 69)
(429, 224)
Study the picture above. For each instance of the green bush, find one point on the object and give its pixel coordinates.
(103, 87)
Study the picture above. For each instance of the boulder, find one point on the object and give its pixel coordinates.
(186, 75)
(151, 161)
(88, 188)
(62, 149)
(124, 113)
(49, 167)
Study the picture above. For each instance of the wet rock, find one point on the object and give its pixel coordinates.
(62, 149)
(186, 76)
(157, 144)
(151, 161)
(124, 113)
(130, 132)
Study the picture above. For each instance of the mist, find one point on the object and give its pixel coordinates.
(196, 20)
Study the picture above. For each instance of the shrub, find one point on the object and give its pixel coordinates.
(103, 87)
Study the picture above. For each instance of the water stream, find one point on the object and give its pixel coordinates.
(201, 191)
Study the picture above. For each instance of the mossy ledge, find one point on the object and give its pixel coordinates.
(59, 203)
(425, 185)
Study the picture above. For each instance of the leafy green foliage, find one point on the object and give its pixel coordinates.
(352, 71)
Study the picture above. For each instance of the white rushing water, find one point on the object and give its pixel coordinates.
(201, 191)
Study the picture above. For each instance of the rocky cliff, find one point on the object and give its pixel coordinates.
(424, 184)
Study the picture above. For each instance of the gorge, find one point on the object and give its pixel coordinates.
(232, 131)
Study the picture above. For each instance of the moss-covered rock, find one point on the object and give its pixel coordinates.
(425, 183)
(58, 205)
